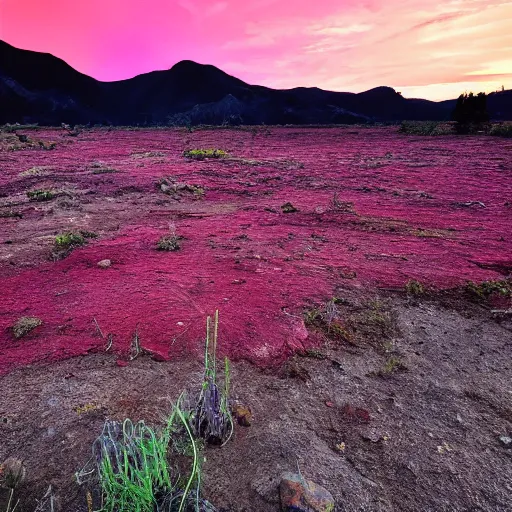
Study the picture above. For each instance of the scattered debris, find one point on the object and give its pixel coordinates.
(471, 203)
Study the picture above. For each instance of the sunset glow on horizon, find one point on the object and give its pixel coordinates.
(423, 48)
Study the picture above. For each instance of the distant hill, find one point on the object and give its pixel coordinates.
(38, 87)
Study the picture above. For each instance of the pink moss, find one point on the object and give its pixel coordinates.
(240, 254)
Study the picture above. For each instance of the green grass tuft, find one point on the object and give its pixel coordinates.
(169, 243)
(40, 195)
(202, 154)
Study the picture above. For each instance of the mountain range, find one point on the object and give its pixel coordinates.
(40, 88)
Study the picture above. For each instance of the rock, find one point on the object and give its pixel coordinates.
(506, 441)
(288, 208)
(24, 325)
(242, 414)
(104, 263)
(300, 495)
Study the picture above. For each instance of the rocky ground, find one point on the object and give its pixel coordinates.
(339, 261)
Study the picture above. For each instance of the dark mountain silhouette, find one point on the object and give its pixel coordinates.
(38, 87)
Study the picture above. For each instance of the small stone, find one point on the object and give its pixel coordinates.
(104, 263)
(288, 208)
(300, 495)
(506, 441)
(242, 414)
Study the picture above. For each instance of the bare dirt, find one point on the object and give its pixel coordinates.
(401, 408)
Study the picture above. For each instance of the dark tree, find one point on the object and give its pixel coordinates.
(471, 109)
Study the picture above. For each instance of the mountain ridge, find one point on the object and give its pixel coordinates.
(39, 87)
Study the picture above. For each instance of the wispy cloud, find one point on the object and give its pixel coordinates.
(433, 47)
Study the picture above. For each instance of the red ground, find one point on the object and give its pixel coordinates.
(240, 253)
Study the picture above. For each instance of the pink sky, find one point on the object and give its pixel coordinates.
(423, 48)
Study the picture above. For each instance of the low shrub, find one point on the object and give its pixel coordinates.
(202, 154)
(169, 243)
(40, 195)
(501, 130)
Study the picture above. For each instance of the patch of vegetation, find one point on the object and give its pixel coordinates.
(485, 289)
(375, 324)
(175, 188)
(12, 473)
(393, 365)
(413, 287)
(137, 468)
(327, 319)
(169, 243)
(426, 128)
(11, 128)
(501, 130)
(211, 419)
(66, 242)
(131, 467)
(24, 325)
(148, 154)
(41, 195)
(202, 154)
(313, 354)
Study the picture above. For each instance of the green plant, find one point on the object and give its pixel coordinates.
(413, 287)
(212, 418)
(169, 243)
(487, 288)
(12, 473)
(501, 130)
(66, 242)
(132, 464)
(69, 240)
(40, 195)
(202, 154)
(392, 365)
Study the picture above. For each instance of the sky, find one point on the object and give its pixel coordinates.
(423, 48)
